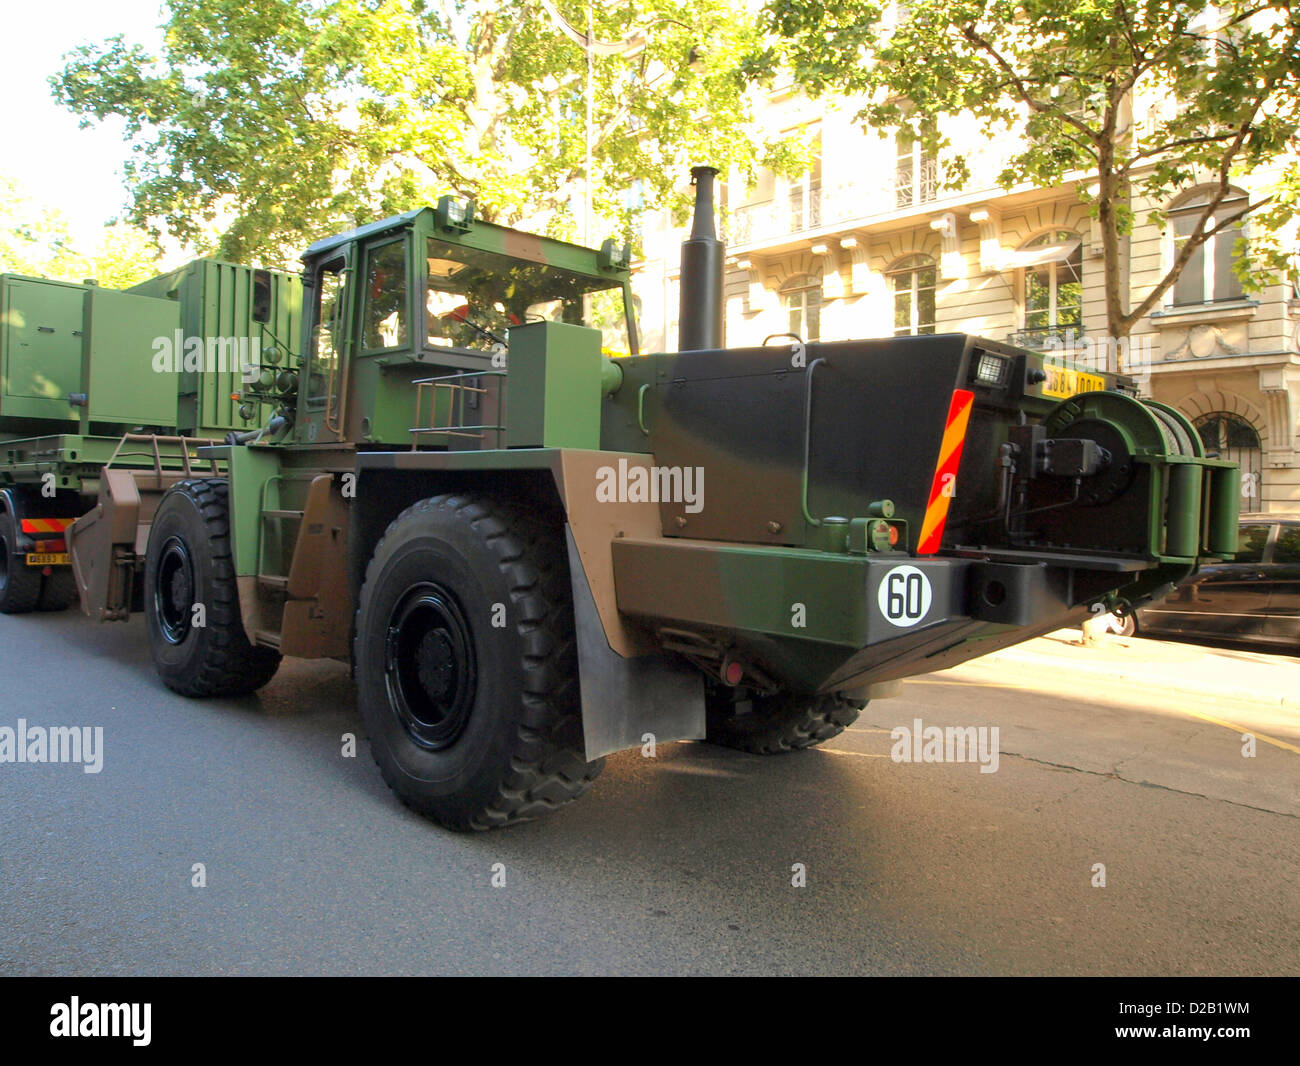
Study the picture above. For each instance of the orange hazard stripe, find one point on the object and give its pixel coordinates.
(945, 471)
(46, 525)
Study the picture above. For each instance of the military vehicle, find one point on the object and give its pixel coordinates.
(534, 552)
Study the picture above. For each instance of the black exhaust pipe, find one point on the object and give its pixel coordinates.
(699, 323)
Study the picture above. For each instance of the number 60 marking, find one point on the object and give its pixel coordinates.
(904, 596)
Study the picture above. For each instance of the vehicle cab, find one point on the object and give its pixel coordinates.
(434, 294)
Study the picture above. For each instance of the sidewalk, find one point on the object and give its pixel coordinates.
(1242, 675)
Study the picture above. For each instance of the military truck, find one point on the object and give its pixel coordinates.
(91, 377)
(536, 546)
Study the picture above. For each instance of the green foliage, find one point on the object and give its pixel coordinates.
(278, 122)
(1064, 75)
(38, 242)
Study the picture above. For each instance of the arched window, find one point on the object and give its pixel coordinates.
(1208, 275)
(801, 297)
(912, 282)
(1231, 437)
(1053, 286)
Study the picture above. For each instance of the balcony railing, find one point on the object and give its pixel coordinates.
(800, 210)
(1047, 339)
(820, 204)
(916, 184)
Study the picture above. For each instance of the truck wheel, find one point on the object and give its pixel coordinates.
(59, 591)
(466, 664)
(774, 724)
(20, 585)
(188, 563)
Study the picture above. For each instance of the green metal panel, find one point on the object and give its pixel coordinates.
(216, 307)
(126, 380)
(249, 471)
(41, 341)
(553, 386)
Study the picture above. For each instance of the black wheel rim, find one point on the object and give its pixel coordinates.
(429, 666)
(173, 594)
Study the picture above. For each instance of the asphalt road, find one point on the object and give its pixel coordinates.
(680, 864)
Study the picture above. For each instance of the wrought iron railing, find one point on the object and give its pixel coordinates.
(1047, 338)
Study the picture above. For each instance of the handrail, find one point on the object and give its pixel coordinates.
(458, 390)
(807, 441)
(154, 441)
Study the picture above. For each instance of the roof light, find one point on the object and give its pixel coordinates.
(454, 214)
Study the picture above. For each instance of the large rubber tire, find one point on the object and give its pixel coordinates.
(59, 592)
(20, 585)
(188, 562)
(466, 664)
(773, 725)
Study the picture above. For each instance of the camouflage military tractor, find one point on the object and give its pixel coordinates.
(534, 552)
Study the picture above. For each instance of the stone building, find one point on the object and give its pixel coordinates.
(868, 243)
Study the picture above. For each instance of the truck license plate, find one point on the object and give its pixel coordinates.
(1063, 383)
(47, 558)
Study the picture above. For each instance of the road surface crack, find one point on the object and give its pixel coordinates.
(1114, 776)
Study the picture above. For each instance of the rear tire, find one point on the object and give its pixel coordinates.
(466, 664)
(774, 725)
(187, 563)
(59, 592)
(20, 585)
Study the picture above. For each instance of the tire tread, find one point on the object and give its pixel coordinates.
(547, 767)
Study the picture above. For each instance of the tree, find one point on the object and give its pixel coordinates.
(34, 241)
(1065, 74)
(38, 241)
(285, 120)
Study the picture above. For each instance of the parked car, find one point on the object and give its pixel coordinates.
(1253, 599)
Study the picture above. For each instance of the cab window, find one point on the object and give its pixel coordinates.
(385, 313)
(326, 335)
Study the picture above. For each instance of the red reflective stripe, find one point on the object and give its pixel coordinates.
(945, 471)
(46, 525)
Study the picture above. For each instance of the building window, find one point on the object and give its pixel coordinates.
(916, 180)
(802, 299)
(912, 282)
(1231, 437)
(804, 194)
(1053, 289)
(1208, 275)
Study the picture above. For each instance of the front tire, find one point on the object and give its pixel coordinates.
(187, 565)
(466, 664)
(776, 724)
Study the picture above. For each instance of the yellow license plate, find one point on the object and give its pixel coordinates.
(1063, 383)
(47, 558)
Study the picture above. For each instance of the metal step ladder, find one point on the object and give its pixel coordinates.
(277, 583)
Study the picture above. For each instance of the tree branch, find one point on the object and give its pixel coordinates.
(1018, 82)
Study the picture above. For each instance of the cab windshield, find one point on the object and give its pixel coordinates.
(474, 297)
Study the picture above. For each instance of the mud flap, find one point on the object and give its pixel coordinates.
(624, 699)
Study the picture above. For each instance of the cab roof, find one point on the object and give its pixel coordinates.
(369, 230)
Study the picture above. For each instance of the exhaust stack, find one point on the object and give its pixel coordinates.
(701, 314)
